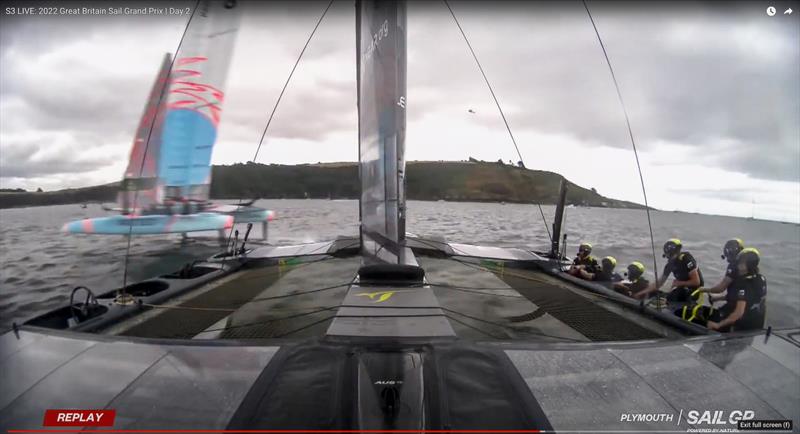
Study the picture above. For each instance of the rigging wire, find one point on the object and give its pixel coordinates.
(517, 275)
(451, 318)
(243, 302)
(271, 320)
(486, 79)
(161, 96)
(505, 326)
(478, 289)
(291, 316)
(479, 267)
(301, 293)
(307, 326)
(630, 134)
(429, 242)
(563, 253)
(289, 78)
(545, 222)
(278, 101)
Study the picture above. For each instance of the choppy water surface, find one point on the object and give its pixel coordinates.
(39, 265)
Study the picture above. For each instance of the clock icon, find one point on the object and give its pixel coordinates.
(771, 11)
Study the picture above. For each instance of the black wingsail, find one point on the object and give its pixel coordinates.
(381, 57)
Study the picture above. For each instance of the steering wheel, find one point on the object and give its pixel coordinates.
(84, 309)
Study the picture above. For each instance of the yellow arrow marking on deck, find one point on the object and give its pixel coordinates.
(382, 295)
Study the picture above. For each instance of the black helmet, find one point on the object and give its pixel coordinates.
(671, 247)
(732, 248)
(585, 248)
(751, 257)
(635, 270)
(609, 262)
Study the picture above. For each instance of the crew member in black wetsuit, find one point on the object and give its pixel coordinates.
(729, 253)
(584, 261)
(747, 297)
(683, 266)
(635, 281)
(605, 274)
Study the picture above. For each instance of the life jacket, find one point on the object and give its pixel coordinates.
(681, 270)
(590, 262)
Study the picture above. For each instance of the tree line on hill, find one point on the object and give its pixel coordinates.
(454, 181)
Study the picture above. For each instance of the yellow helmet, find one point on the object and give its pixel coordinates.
(671, 247)
(751, 258)
(732, 248)
(635, 270)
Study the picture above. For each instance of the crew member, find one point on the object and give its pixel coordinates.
(746, 307)
(169, 205)
(604, 274)
(187, 206)
(583, 260)
(683, 266)
(729, 253)
(635, 281)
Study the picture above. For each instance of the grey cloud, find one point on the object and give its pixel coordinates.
(687, 76)
(287, 25)
(729, 194)
(311, 114)
(87, 104)
(35, 33)
(549, 73)
(36, 158)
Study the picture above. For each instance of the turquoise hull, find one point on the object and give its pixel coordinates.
(150, 224)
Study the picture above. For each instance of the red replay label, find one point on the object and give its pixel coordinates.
(79, 417)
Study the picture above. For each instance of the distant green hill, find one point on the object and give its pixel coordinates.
(98, 193)
(454, 181)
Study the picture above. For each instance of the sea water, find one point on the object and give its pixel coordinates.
(39, 265)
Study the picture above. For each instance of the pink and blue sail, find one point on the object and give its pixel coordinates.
(169, 173)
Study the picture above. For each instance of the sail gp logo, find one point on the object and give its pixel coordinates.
(718, 417)
(694, 418)
(378, 297)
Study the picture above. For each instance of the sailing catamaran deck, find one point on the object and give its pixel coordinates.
(266, 294)
(253, 343)
(283, 301)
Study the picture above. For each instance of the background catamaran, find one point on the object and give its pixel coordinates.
(388, 330)
(165, 188)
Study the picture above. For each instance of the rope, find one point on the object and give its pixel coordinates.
(630, 133)
(147, 143)
(486, 79)
(166, 306)
(278, 101)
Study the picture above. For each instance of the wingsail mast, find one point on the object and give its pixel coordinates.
(138, 189)
(381, 77)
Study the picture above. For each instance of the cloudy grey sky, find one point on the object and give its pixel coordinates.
(712, 91)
